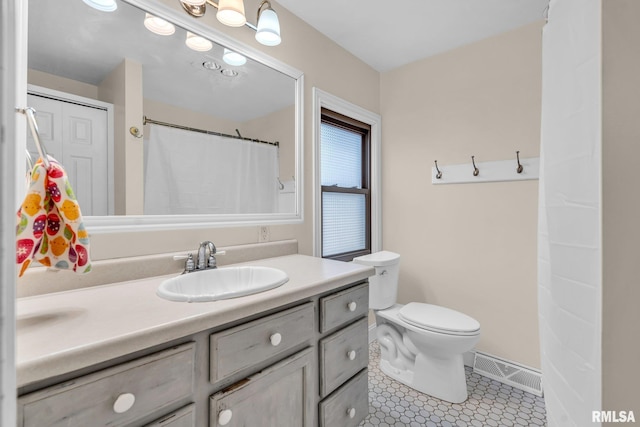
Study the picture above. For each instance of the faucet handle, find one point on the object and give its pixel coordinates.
(189, 264)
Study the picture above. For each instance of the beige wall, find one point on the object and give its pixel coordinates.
(621, 206)
(471, 247)
(123, 88)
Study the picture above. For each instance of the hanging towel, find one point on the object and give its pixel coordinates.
(50, 229)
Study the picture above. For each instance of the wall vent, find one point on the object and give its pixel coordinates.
(510, 373)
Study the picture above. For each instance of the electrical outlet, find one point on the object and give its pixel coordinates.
(263, 234)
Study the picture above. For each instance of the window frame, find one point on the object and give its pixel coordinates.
(344, 122)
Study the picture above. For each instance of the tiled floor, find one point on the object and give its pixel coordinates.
(490, 403)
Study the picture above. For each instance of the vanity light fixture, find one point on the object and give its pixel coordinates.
(268, 31)
(198, 43)
(158, 25)
(102, 5)
(231, 13)
(233, 58)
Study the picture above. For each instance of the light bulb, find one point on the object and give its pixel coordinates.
(231, 13)
(268, 32)
(158, 25)
(198, 43)
(233, 58)
(102, 5)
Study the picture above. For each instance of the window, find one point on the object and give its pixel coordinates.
(345, 186)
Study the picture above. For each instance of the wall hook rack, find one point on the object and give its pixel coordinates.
(492, 171)
(476, 171)
(439, 174)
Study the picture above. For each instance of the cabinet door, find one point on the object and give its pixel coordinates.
(280, 396)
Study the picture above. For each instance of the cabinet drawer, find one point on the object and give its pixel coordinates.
(184, 417)
(342, 354)
(281, 395)
(241, 347)
(344, 306)
(348, 405)
(135, 389)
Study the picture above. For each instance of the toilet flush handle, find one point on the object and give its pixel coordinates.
(383, 273)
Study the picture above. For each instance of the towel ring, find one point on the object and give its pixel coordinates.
(476, 171)
(30, 112)
(520, 168)
(439, 174)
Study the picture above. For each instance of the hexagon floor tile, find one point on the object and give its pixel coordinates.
(490, 403)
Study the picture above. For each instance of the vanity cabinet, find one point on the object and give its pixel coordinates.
(299, 365)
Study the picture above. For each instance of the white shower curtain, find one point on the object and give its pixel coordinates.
(195, 173)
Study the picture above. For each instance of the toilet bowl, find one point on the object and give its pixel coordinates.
(421, 345)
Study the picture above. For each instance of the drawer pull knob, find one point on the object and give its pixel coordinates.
(351, 412)
(224, 417)
(275, 339)
(351, 355)
(123, 403)
(352, 306)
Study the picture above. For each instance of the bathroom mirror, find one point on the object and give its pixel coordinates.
(152, 84)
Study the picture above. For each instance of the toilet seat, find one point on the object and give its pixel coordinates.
(438, 319)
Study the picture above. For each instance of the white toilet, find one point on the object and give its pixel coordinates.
(421, 345)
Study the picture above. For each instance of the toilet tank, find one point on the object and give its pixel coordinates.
(383, 286)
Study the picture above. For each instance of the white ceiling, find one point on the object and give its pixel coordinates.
(388, 34)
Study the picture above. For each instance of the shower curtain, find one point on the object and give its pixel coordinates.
(570, 217)
(195, 173)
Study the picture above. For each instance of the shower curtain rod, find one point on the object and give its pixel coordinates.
(147, 120)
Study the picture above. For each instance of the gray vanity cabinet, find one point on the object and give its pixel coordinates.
(299, 365)
(279, 396)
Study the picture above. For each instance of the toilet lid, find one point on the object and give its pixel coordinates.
(438, 319)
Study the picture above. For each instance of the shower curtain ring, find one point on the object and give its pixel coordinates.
(476, 171)
(439, 174)
(520, 168)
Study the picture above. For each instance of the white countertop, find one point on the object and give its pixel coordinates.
(62, 332)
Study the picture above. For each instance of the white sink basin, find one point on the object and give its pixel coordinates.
(221, 283)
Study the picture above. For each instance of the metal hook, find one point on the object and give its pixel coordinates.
(135, 132)
(439, 174)
(520, 168)
(476, 171)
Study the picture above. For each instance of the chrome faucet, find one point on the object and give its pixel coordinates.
(204, 260)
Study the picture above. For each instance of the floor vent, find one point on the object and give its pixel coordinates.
(510, 373)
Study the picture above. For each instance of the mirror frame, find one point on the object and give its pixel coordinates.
(133, 223)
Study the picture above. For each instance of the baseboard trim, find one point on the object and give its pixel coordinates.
(372, 333)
